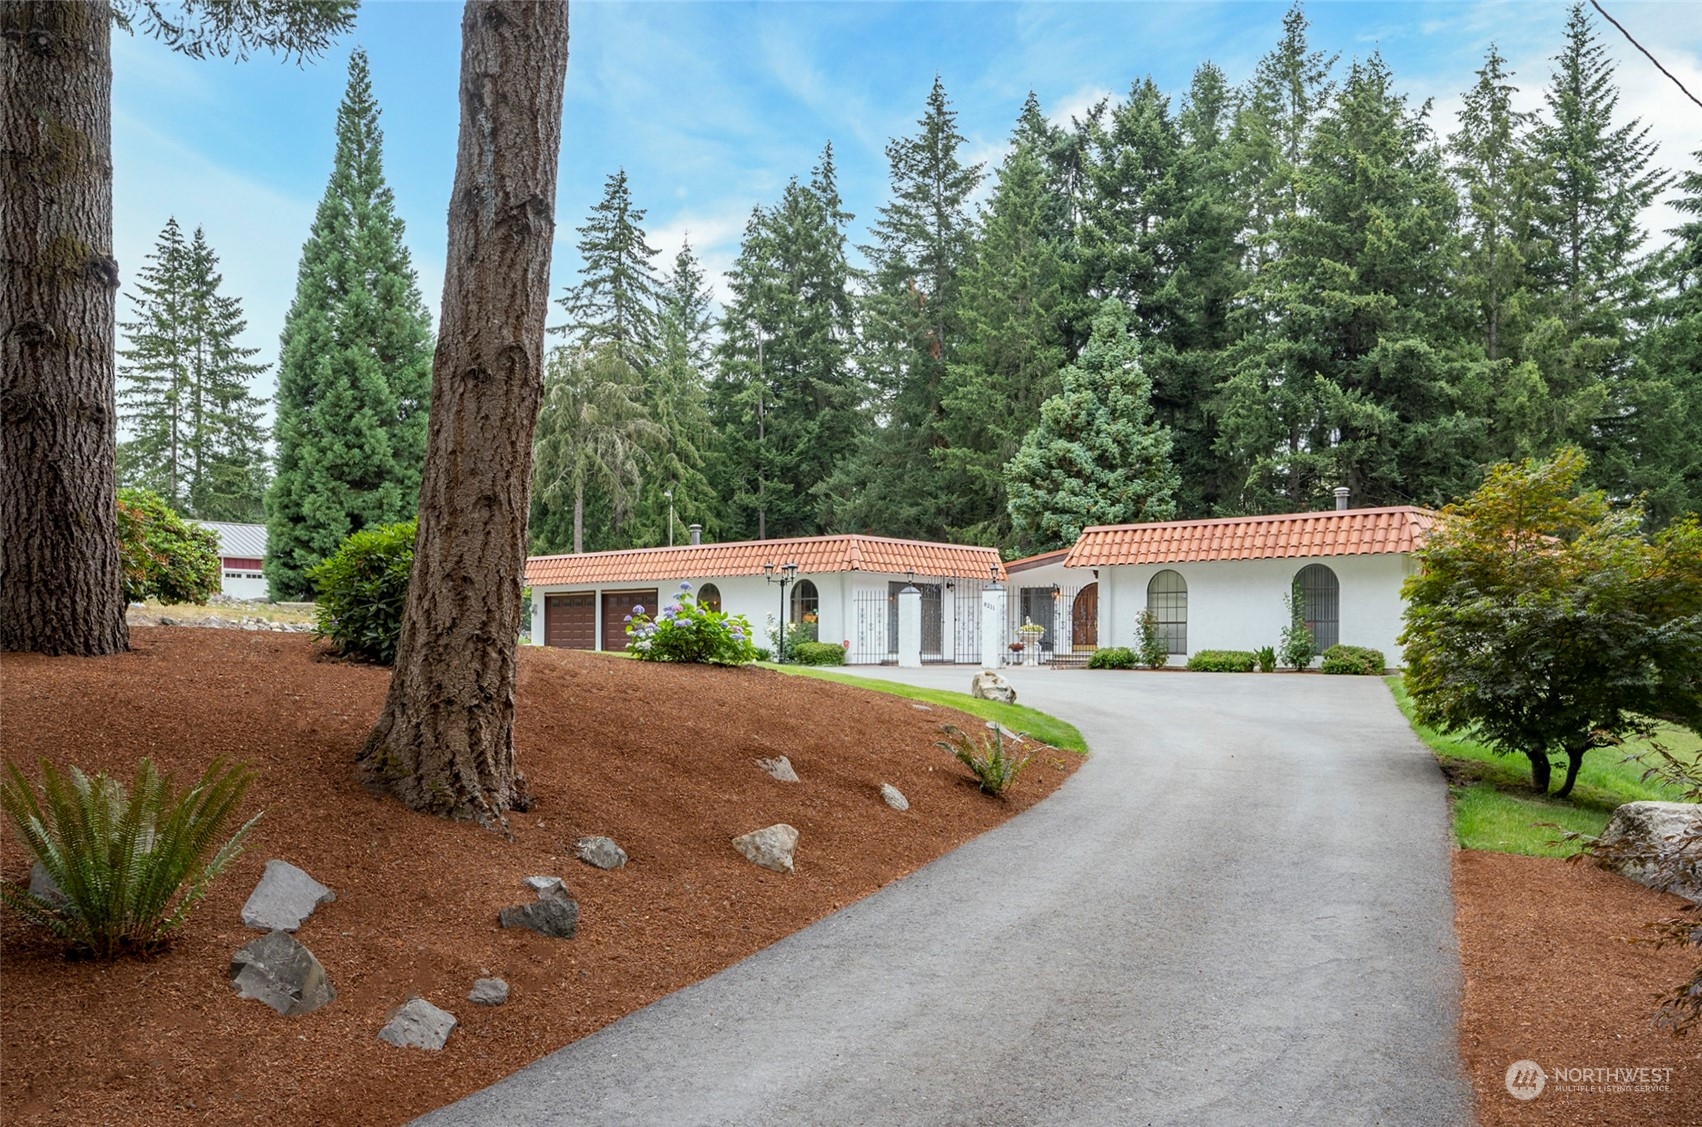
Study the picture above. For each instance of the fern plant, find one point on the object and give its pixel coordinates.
(127, 862)
(994, 768)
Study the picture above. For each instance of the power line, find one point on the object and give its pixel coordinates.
(1596, 4)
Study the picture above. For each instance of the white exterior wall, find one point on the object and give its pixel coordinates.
(1238, 604)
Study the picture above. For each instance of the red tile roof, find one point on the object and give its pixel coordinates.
(814, 555)
(1350, 532)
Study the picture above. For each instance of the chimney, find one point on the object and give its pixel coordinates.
(697, 533)
(1342, 494)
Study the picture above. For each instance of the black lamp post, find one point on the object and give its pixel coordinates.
(786, 573)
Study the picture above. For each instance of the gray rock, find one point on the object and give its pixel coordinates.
(780, 768)
(554, 913)
(1009, 735)
(417, 1024)
(278, 970)
(771, 847)
(923, 707)
(600, 851)
(488, 992)
(894, 797)
(989, 685)
(283, 899)
(1658, 844)
(43, 886)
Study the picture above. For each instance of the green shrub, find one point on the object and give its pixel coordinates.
(1114, 657)
(362, 589)
(684, 631)
(1267, 656)
(161, 556)
(763, 653)
(119, 857)
(1361, 660)
(985, 756)
(1298, 645)
(816, 653)
(1154, 649)
(1223, 661)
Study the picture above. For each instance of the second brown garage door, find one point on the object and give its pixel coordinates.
(616, 606)
(570, 621)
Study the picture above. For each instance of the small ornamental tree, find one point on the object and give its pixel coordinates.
(1544, 622)
(160, 555)
(1298, 645)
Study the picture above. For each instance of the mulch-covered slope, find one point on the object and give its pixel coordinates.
(1553, 976)
(657, 757)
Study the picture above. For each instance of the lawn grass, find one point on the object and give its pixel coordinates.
(1016, 717)
(1495, 808)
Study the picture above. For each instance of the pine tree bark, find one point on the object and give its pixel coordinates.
(60, 586)
(445, 741)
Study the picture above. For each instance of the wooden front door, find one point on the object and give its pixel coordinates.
(616, 606)
(570, 621)
(1084, 618)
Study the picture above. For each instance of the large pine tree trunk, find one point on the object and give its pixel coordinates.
(60, 588)
(445, 741)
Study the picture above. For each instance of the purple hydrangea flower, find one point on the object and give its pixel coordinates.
(685, 586)
(639, 609)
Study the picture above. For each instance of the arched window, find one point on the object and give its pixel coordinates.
(709, 597)
(1167, 599)
(805, 601)
(1317, 585)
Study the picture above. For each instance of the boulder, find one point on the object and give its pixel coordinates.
(554, 913)
(601, 852)
(417, 1024)
(278, 970)
(488, 992)
(283, 899)
(894, 797)
(780, 768)
(1656, 843)
(989, 685)
(770, 847)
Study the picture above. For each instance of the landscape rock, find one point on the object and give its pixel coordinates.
(894, 797)
(278, 970)
(554, 913)
(989, 685)
(923, 707)
(600, 851)
(780, 768)
(488, 992)
(43, 885)
(283, 899)
(1009, 735)
(417, 1024)
(771, 847)
(1658, 844)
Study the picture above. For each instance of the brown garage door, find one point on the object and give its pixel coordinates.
(616, 606)
(570, 621)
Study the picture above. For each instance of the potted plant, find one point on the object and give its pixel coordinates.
(1031, 632)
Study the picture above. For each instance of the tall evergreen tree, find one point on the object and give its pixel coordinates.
(618, 295)
(197, 436)
(1096, 456)
(1668, 471)
(1351, 373)
(912, 328)
(354, 383)
(787, 404)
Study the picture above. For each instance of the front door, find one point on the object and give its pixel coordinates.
(1084, 618)
(616, 606)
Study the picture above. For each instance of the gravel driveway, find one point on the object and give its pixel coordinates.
(1238, 912)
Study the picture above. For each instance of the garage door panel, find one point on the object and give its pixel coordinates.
(570, 621)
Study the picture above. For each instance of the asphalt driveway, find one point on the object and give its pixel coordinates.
(1237, 912)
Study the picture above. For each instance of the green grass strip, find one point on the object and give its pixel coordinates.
(1495, 808)
(1016, 717)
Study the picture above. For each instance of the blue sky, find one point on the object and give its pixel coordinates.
(711, 107)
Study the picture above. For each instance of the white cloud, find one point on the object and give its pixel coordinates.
(1078, 104)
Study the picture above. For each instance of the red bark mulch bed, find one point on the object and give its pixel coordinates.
(657, 757)
(1552, 976)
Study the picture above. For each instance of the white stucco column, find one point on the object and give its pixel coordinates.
(993, 611)
(910, 628)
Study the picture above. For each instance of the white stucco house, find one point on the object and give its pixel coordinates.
(1219, 584)
(850, 585)
(242, 551)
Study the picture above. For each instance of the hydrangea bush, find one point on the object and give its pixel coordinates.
(684, 631)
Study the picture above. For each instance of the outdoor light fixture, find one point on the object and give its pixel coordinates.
(788, 573)
(993, 572)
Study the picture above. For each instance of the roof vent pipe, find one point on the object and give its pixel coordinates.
(697, 534)
(1342, 494)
